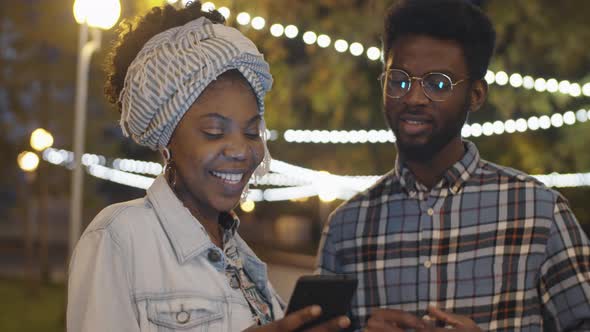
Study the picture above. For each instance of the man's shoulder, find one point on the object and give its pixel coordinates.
(511, 178)
(387, 185)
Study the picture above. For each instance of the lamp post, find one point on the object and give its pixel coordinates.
(28, 163)
(41, 139)
(92, 16)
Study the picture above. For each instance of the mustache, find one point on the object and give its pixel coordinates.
(415, 112)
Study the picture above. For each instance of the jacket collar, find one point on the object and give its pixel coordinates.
(187, 236)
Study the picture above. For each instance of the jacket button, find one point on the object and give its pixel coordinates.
(214, 256)
(183, 317)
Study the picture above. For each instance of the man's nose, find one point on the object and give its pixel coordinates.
(416, 95)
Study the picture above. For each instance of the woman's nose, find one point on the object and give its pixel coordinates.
(236, 149)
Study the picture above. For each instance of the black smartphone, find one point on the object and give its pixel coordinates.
(332, 292)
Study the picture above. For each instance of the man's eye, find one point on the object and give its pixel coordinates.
(399, 84)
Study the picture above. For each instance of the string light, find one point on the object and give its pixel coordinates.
(277, 30)
(301, 182)
(341, 45)
(356, 49)
(113, 175)
(291, 31)
(324, 41)
(243, 18)
(309, 37)
(207, 7)
(224, 11)
(469, 130)
(258, 23)
(374, 53)
(501, 78)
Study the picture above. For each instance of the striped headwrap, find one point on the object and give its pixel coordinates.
(174, 67)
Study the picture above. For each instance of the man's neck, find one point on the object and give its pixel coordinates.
(430, 172)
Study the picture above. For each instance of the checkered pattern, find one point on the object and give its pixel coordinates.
(487, 242)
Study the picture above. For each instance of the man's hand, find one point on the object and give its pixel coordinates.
(392, 320)
(295, 320)
(455, 322)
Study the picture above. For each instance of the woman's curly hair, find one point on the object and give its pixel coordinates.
(133, 36)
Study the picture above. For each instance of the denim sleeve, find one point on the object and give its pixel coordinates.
(564, 283)
(99, 295)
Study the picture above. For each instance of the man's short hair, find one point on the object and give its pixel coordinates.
(454, 20)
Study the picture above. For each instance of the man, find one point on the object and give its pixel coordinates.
(447, 239)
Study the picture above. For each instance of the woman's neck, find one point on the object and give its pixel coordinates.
(208, 218)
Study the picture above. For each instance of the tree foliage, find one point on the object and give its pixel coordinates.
(315, 88)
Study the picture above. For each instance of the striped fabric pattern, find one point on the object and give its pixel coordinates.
(487, 242)
(172, 70)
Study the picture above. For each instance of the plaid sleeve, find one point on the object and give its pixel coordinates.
(564, 283)
(326, 259)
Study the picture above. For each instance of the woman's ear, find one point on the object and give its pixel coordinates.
(479, 93)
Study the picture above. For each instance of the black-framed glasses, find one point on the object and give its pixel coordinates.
(436, 86)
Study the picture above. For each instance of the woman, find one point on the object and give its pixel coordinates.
(193, 89)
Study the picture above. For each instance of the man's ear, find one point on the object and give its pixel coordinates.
(479, 93)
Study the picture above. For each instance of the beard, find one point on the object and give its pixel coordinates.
(441, 136)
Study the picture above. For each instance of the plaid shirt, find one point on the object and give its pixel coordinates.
(486, 242)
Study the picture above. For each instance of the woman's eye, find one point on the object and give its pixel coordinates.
(253, 134)
(213, 133)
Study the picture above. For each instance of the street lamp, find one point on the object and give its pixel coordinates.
(28, 161)
(96, 15)
(41, 139)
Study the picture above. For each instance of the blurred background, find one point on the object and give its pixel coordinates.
(327, 132)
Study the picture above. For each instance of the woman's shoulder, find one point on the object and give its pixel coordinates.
(123, 217)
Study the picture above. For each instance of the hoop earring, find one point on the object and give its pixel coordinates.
(166, 153)
(169, 169)
(245, 192)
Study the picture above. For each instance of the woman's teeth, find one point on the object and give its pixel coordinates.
(414, 122)
(229, 177)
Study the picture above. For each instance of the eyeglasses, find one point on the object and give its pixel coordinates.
(436, 86)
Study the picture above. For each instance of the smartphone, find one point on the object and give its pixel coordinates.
(332, 292)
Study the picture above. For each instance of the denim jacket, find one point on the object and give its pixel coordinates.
(148, 265)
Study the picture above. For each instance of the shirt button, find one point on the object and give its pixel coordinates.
(214, 256)
(183, 317)
(427, 264)
(430, 212)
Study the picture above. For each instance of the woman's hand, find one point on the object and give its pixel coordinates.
(297, 319)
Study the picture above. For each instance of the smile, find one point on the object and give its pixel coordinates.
(231, 178)
(415, 122)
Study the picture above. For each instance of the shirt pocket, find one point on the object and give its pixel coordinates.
(185, 314)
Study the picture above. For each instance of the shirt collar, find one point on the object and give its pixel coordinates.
(453, 179)
(187, 236)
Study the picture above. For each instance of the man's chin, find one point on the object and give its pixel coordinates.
(417, 152)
